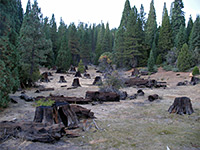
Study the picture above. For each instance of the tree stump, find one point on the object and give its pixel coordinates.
(181, 105)
(78, 74)
(59, 112)
(72, 69)
(135, 72)
(44, 77)
(140, 93)
(76, 82)
(86, 67)
(87, 75)
(62, 79)
(97, 81)
(194, 81)
(60, 70)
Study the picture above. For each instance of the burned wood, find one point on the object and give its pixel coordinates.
(140, 93)
(72, 69)
(44, 89)
(73, 100)
(194, 81)
(76, 82)
(82, 113)
(181, 105)
(97, 81)
(102, 96)
(153, 97)
(62, 79)
(78, 74)
(60, 70)
(87, 75)
(44, 77)
(26, 98)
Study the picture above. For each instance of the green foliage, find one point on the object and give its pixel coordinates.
(43, 102)
(195, 71)
(125, 14)
(171, 57)
(184, 59)
(159, 59)
(151, 25)
(81, 67)
(180, 38)
(189, 28)
(151, 62)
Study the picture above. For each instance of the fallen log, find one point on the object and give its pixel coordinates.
(82, 113)
(102, 96)
(181, 105)
(26, 98)
(71, 100)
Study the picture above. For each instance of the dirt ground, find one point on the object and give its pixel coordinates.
(129, 124)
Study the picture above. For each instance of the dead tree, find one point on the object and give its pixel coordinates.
(181, 105)
(78, 74)
(97, 81)
(62, 79)
(76, 82)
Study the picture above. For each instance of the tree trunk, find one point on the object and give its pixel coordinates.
(181, 105)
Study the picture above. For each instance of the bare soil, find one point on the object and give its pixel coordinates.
(129, 124)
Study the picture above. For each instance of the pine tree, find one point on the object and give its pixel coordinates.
(180, 38)
(165, 38)
(32, 45)
(142, 16)
(184, 59)
(177, 17)
(54, 35)
(107, 40)
(64, 56)
(73, 44)
(151, 62)
(28, 7)
(151, 25)
(125, 14)
(189, 28)
(164, 8)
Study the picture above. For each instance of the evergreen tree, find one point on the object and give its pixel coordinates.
(53, 36)
(151, 62)
(184, 59)
(194, 42)
(64, 56)
(177, 18)
(189, 28)
(125, 14)
(164, 8)
(151, 25)
(180, 38)
(28, 7)
(165, 38)
(32, 45)
(73, 44)
(142, 16)
(107, 40)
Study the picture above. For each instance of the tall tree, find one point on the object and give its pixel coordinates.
(165, 38)
(73, 44)
(54, 36)
(107, 40)
(180, 38)
(28, 7)
(189, 28)
(32, 45)
(142, 16)
(125, 14)
(151, 25)
(178, 17)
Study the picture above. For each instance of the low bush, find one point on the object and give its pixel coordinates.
(195, 71)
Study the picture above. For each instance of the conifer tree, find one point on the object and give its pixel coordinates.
(165, 38)
(28, 7)
(180, 38)
(32, 45)
(125, 14)
(107, 40)
(151, 25)
(184, 59)
(151, 62)
(177, 17)
(189, 28)
(142, 16)
(73, 44)
(64, 55)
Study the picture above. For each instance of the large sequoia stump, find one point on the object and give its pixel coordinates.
(102, 96)
(62, 79)
(181, 105)
(76, 82)
(97, 81)
(78, 74)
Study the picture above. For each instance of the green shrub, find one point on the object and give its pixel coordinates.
(43, 102)
(81, 67)
(167, 67)
(159, 59)
(195, 71)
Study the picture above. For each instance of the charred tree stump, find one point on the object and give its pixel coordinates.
(45, 77)
(86, 67)
(181, 105)
(60, 70)
(140, 93)
(153, 97)
(194, 81)
(78, 74)
(76, 82)
(62, 79)
(87, 75)
(72, 69)
(97, 81)
(135, 72)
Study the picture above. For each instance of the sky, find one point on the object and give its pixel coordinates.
(97, 11)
